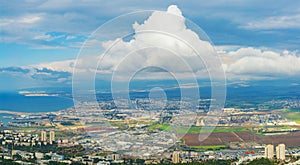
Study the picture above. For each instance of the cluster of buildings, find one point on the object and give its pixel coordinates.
(45, 158)
(268, 153)
(251, 118)
(22, 139)
(135, 139)
(285, 103)
(186, 156)
(242, 156)
(235, 117)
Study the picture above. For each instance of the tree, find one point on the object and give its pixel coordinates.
(262, 161)
(17, 157)
(56, 163)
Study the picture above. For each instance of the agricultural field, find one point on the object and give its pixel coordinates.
(224, 138)
(215, 138)
(161, 127)
(197, 129)
(293, 115)
(216, 147)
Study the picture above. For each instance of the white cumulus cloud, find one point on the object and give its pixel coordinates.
(253, 62)
(163, 40)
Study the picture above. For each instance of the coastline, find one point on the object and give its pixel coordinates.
(13, 112)
(38, 94)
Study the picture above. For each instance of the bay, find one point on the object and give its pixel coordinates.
(14, 101)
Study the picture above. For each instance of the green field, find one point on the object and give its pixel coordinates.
(161, 127)
(196, 129)
(216, 147)
(294, 116)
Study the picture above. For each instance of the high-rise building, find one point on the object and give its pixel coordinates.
(280, 152)
(175, 157)
(43, 136)
(269, 151)
(52, 137)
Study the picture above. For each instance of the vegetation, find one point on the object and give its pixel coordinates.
(262, 161)
(216, 147)
(161, 127)
(56, 163)
(216, 162)
(68, 152)
(197, 129)
(211, 162)
(292, 115)
(8, 162)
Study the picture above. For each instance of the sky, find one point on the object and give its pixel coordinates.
(40, 40)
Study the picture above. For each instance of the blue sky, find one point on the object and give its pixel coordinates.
(39, 32)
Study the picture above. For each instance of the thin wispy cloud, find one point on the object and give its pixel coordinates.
(277, 22)
(22, 21)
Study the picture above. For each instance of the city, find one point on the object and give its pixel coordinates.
(95, 82)
(83, 137)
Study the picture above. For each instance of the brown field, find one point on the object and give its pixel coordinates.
(224, 138)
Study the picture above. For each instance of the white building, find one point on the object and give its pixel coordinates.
(52, 137)
(280, 152)
(176, 157)
(43, 136)
(269, 151)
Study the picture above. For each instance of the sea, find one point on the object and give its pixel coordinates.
(13, 101)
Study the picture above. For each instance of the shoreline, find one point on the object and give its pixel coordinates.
(38, 94)
(13, 112)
